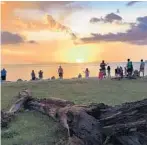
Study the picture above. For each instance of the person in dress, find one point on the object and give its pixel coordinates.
(101, 75)
(87, 73)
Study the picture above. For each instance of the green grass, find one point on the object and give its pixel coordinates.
(33, 128)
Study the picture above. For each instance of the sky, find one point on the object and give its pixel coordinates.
(73, 32)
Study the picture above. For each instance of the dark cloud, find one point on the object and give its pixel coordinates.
(132, 3)
(109, 18)
(11, 38)
(136, 35)
(112, 17)
(142, 23)
(94, 20)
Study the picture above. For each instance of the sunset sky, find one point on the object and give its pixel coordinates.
(67, 31)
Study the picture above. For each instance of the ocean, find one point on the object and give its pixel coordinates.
(23, 71)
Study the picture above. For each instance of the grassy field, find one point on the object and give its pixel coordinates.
(32, 128)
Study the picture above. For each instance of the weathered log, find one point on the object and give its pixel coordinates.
(94, 124)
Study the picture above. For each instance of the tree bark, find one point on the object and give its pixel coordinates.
(94, 124)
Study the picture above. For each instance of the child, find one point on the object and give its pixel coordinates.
(101, 74)
(79, 76)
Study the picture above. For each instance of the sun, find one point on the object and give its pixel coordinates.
(79, 60)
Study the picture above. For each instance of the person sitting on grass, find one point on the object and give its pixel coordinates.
(79, 76)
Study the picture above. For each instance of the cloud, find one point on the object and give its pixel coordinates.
(94, 20)
(112, 17)
(47, 23)
(109, 18)
(132, 3)
(136, 35)
(10, 38)
(43, 5)
(32, 42)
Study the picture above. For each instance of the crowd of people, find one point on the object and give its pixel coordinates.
(104, 71)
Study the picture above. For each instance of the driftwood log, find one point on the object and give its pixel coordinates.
(94, 124)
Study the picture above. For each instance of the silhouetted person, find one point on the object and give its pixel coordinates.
(109, 71)
(129, 68)
(60, 72)
(40, 73)
(142, 67)
(3, 74)
(79, 76)
(125, 71)
(103, 67)
(116, 72)
(87, 73)
(121, 72)
(33, 75)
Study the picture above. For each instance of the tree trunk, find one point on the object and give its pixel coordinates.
(95, 124)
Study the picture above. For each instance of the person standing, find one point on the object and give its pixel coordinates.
(121, 72)
(142, 67)
(3, 74)
(125, 69)
(116, 72)
(87, 73)
(33, 75)
(40, 73)
(103, 67)
(129, 68)
(109, 71)
(60, 72)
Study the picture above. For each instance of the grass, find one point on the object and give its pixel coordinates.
(33, 128)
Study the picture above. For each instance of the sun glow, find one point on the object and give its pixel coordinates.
(82, 53)
(79, 60)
